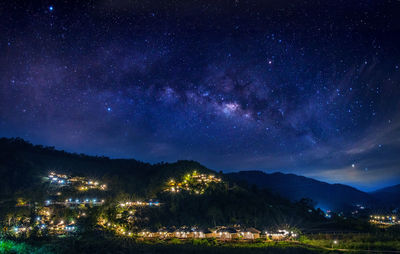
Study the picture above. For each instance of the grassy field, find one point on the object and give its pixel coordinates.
(353, 242)
(9, 246)
(93, 243)
(100, 245)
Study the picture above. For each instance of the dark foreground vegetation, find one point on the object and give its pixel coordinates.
(100, 243)
(96, 244)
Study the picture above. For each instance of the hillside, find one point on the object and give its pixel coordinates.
(389, 196)
(22, 165)
(294, 187)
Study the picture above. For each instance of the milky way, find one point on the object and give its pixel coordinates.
(310, 87)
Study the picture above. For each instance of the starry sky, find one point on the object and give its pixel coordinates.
(308, 87)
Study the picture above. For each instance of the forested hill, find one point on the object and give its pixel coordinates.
(22, 165)
(294, 187)
(388, 196)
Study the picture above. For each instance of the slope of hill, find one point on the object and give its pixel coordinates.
(294, 187)
(22, 166)
(21, 163)
(389, 196)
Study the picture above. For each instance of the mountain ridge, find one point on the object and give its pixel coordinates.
(23, 167)
(390, 195)
(24, 157)
(294, 187)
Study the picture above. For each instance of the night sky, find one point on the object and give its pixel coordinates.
(307, 87)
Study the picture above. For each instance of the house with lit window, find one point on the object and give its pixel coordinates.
(249, 234)
(225, 234)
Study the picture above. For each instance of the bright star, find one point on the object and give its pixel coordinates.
(109, 109)
(353, 165)
(51, 8)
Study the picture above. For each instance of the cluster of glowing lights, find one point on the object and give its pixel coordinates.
(119, 230)
(21, 229)
(83, 184)
(44, 222)
(383, 219)
(88, 185)
(139, 203)
(22, 202)
(281, 234)
(60, 179)
(191, 233)
(71, 201)
(84, 201)
(194, 183)
(62, 226)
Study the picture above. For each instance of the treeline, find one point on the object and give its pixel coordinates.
(226, 204)
(22, 165)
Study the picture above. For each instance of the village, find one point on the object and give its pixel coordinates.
(74, 204)
(43, 222)
(58, 216)
(221, 233)
(80, 183)
(194, 183)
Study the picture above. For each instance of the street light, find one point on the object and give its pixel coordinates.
(334, 242)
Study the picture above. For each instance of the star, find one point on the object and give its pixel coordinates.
(190, 82)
